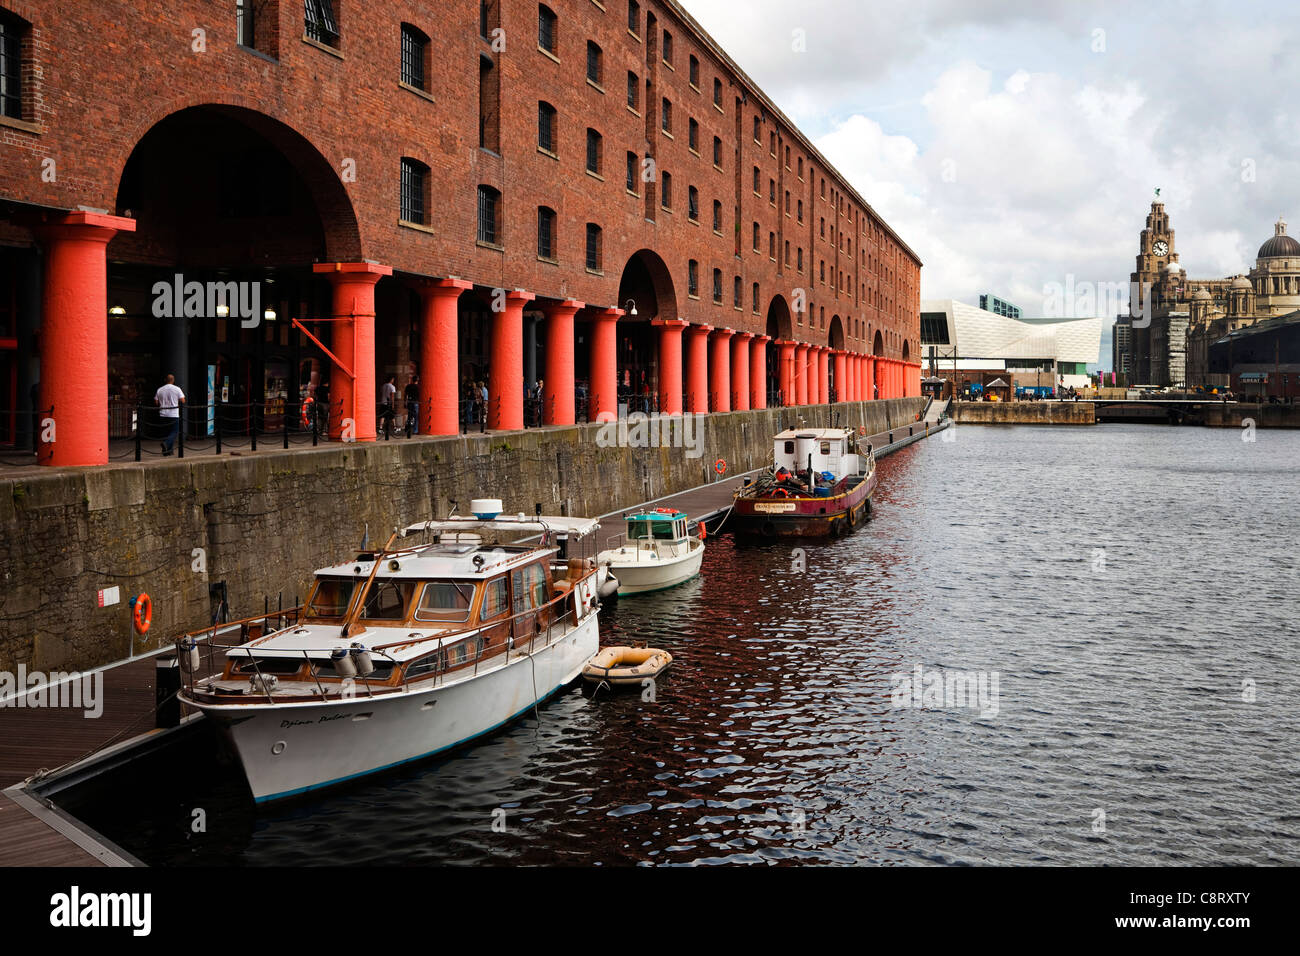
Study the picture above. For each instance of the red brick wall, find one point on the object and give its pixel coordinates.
(105, 73)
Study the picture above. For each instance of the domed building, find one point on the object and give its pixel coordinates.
(1168, 340)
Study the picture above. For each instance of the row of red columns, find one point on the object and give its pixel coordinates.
(74, 354)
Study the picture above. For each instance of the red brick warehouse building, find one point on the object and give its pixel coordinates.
(590, 194)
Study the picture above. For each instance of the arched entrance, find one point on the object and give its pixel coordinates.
(905, 372)
(239, 205)
(646, 285)
(780, 328)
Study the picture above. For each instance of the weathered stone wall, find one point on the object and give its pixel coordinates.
(263, 523)
(1223, 415)
(1024, 413)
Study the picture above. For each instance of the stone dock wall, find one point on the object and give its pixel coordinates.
(1023, 413)
(262, 523)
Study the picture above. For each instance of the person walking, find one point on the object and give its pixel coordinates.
(388, 404)
(412, 396)
(169, 398)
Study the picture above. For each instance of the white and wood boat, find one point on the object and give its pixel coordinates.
(658, 553)
(406, 652)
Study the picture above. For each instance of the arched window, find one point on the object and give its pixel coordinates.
(489, 216)
(414, 192)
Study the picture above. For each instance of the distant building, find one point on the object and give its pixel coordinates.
(1182, 317)
(1121, 347)
(1261, 360)
(969, 346)
(991, 303)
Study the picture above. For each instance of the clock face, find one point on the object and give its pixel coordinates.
(1161, 248)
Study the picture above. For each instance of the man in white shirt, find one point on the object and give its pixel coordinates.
(388, 403)
(169, 399)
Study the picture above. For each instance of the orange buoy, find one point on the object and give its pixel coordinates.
(142, 614)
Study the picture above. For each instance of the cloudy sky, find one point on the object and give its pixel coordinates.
(1017, 144)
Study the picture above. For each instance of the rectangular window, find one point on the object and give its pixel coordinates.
(758, 129)
(245, 24)
(633, 90)
(735, 292)
(594, 72)
(693, 204)
(717, 92)
(546, 233)
(631, 173)
(414, 183)
(756, 179)
(666, 190)
(634, 17)
(594, 143)
(668, 48)
(717, 286)
(488, 230)
(320, 23)
(546, 127)
(414, 45)
(717, 152)
(717, 216)
(756, 237)
(546, 21)
(666, 117)
(695, 72)
(593, 247)
(693, 137)
(693, 278)
(11, 71)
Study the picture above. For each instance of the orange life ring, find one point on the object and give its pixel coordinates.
(862, 429)
(780, 493)
(307, 405)
(704, 532)
(142, 614)
(720, 466)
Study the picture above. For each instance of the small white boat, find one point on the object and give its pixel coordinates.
(406, 652)
(659, 553)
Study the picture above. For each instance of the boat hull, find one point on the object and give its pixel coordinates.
(770, 518)
(289, 749)
(647, 576)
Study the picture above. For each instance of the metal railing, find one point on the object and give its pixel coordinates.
(540, 623)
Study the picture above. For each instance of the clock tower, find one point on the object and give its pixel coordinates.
(1156, 247)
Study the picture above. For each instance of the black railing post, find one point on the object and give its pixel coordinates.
(216, 425)
(252, 422)
(139, 421)
(284, 424)
(180, 431)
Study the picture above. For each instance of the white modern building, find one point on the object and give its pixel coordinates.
(957, 338)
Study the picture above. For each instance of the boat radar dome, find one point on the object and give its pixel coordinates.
(486, 509)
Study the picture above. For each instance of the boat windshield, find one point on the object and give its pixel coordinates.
(659, 530)
(388, 600)
(445, 601)
(331, 598)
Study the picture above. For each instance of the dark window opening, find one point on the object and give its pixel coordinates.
(415, 182)
(489, 227)
(321, 24)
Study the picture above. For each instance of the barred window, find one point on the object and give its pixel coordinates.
(320, 23)
(594, 149)
(693, 278)
(546, 233)
(631, 173)
(546, 28)
(593, 247)
(717, 286)
(634, 17)
(546, 127)
(415, 182)
(245, 24)
(415, 45)
(11, 71)
(595, 73)
(489, 207)
(693, 204)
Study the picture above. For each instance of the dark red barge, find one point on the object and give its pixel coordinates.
(819, 486)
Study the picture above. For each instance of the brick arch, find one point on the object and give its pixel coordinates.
(648, 262)
(835, 335)
(779, 324)
(878, 346)
(339, 222)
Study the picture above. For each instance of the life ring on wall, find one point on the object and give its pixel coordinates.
(142, 613)
(702, 531)
(307, 410)
(720, 466)
(862, 429)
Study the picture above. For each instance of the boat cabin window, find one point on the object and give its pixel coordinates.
(534, 580)
(387, 600)
(445, 601)
(429, 664)
(789, 448)
(331, 597)
(826, 448)
(658, 530)
(496, 599)
(281, 666)
(383, 670)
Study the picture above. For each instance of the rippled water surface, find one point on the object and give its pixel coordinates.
(1132, 588)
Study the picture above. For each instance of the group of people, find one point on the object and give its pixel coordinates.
(388, 404)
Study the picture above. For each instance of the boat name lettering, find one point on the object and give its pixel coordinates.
(774, 507)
